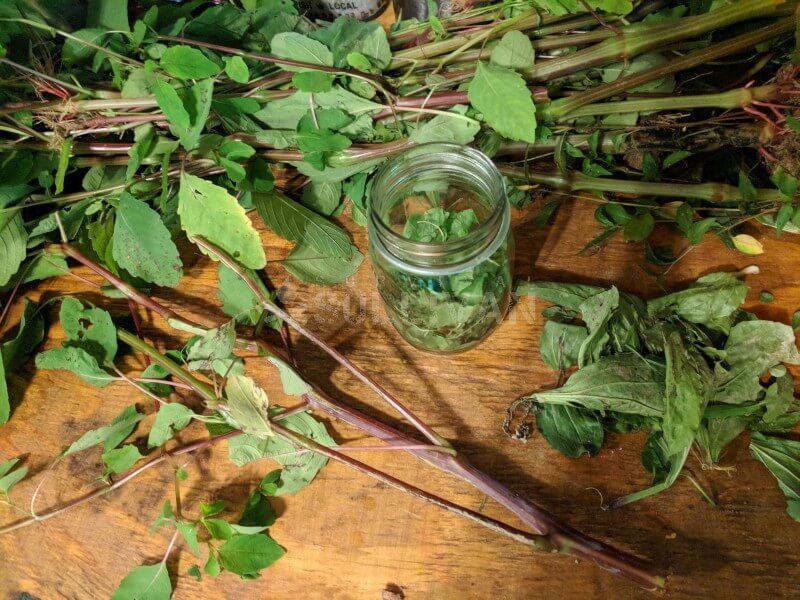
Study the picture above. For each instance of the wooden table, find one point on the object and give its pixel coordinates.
(348, 536)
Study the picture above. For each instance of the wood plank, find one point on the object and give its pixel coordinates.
(348, 536)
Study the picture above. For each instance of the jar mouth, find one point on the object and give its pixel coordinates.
(473, 169)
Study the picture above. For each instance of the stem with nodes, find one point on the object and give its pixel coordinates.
(563, 538)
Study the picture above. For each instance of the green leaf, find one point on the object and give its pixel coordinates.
(149, 582)
(699, 228)
(296, 46)
(119, 460)
(13, 238)
(171, 104)
(189, 533)
(257, 515)
(248, 405)
(638, 228)
(63, 164)
(209, 211)
(108, 14)
(570, 430)
(766, 297)
(313, 81)
(197, 102)
(568, 295)
(321, 197)
(213, 508)
(109, 435)
(238, 300)
(170, 419)
(675, 157)
(501, 96)
(236, 69)
(77, 361)
(716, 434)
(300, 468)
(710, 299)
(347, 35)
(9, 478)
(753, 348)
(444, 128)
(514, 51)
(142, 244)
(295, 222)
(90, 329)
(560, 344)
(782, 458)
(597, 312)
(689, 385)
(293, 384)
(219, 529)
(311, 266)
(215, 344)
(624, 383)
(186, 62)
(212, 566)
(248, 554)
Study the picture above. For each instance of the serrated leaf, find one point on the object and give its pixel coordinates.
(514, 51)
(248, 405)
(238, 300)
(197, 102)
(13, 238)
(149, 582)
(295, 222)
(502, 97)
(170, 419)
(310, 266)
(248, 554)
(186, 62)
(296, 46)
(142, 244)
(209, 211)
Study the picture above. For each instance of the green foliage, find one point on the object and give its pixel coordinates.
(514, 51)
(247, 405)
(170, 419)
(300, 467)
(142, 244)
(782, 457)
(10, 476)
(690, 366)
(500, 95)
(150, 582)
(209, 211)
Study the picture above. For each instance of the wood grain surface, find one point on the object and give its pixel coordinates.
(349, 537)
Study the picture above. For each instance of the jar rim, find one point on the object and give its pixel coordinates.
(425, 255)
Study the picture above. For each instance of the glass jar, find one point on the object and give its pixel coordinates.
(441, 245)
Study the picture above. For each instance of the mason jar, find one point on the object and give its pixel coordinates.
(441, 246)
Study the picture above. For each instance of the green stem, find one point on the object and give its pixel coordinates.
(638, 39)
(565, 106)
(401, 58)
(169, 365)
(574, 181)
(730, 99)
